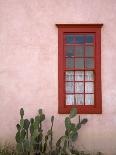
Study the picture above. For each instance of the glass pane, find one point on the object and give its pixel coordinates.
(89, 87)
(69, 62)
(79, 39)
(89, 75)
(69, 87)
(79, 87)
(69, 50)
(69, 39)
(79, 75)
(79, 99)
(79, 51)
(79, 63)
(89, 38)
(69, 76)
(89, 63)
(89, 51)
(89, 99)
(69, 99)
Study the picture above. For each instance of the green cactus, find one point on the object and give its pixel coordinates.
(26, 124)
(17, 137)
(30, 137)
(26, 145)
(42, 117)
(45, 144)
(78, 126)
(32, 129)
(40, 111)
(84, 121)
(19, 148)
(50, 132)
(31, 120)
(18, 127)
(73, 113)
(71, 133)
(52, 119)
(21, 122)
(22, 135)
(21, 112)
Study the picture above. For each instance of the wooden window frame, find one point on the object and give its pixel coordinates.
(79, 28)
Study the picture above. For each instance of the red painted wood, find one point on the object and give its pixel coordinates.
(79, 25)
(82, 29)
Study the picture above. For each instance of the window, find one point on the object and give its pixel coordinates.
(79, 68)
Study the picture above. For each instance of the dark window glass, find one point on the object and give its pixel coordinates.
(79, 63)
(89, 51)
(89, 38)
(69, 39)
(69, 63)
(69, 50)
(89, 63)
(79, 51)
(79, 39)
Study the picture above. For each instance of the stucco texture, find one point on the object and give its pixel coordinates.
(29, 65)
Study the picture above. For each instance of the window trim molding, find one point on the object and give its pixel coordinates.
(88, 109)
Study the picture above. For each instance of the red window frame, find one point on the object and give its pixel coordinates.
(79, 28)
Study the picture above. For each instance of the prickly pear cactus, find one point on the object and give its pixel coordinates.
(64, 144)
(21, 112)
(29, 136)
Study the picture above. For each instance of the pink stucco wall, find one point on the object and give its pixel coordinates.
(29, 65)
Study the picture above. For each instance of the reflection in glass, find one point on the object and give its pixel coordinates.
(69, 50)
(69, 39)
(69, 99)
(69, 62)
(89, 99)
(69, 75)
(89, 76)
(79, 39)
(79, 87)
(79, 63)
(79, 75)
(79, 51)
(69, 87)
(89, 51)
(90, 38)
(89, 87)
(79, 99)
(89, 63)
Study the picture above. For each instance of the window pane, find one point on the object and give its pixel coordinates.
(79, 39)
(69, 76)
(79, 51)
(79, 87)
(79, 63)
(79, 99)
(89, 38)
(69, 39)
(89, 51)
(89, 63)
(69, 99)
(89, 75)
(69, 63)
(89, 99)
(69, 51)
(79, 75)
(89, 87)
(69, 87)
